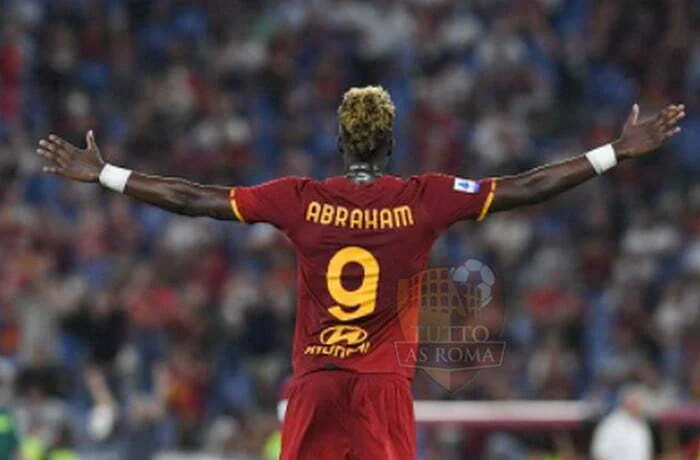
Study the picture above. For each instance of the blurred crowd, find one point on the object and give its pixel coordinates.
(125, 330)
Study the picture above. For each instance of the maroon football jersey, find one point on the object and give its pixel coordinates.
(355, 244)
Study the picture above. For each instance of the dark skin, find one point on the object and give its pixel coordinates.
(188, 198)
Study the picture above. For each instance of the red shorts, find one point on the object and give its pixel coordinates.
(345, 415)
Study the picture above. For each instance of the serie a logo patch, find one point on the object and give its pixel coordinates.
(466, 185)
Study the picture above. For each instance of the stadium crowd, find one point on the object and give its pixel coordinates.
(185, 325)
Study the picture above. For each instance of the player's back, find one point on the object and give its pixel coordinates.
(356, 243)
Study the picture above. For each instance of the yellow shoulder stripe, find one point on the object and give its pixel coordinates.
(487, 203)
(234, 205)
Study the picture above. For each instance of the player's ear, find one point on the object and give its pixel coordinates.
(392, 144)
(339, 144)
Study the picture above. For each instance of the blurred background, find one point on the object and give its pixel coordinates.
(127, 332)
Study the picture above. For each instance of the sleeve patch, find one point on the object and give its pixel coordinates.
(465, 185)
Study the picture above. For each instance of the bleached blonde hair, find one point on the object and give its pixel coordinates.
(366, 117)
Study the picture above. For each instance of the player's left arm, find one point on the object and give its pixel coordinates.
(638, 138)
(170, 193)
(276, 202)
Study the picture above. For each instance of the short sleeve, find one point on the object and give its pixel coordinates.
(449, 199)
(277, 202)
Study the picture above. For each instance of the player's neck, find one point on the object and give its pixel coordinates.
(363, 173)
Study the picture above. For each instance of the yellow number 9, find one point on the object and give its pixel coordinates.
(364, 298)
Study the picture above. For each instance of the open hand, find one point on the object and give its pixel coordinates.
(640, 137)
(69, 161)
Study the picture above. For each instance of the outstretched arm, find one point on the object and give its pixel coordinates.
(173, 194)
(539, 184)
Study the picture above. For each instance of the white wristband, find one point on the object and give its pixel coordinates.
(114, 178)
(602, 158)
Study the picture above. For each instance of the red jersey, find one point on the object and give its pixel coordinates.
(355, 243)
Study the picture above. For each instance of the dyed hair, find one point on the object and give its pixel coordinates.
(366, 117)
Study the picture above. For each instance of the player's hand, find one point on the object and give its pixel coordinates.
(640, 137)
(69, 161)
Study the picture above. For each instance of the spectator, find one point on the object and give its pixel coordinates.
(624, 434)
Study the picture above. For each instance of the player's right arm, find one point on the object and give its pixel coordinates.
(638, 138)
(449, 199)
(173, 194)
